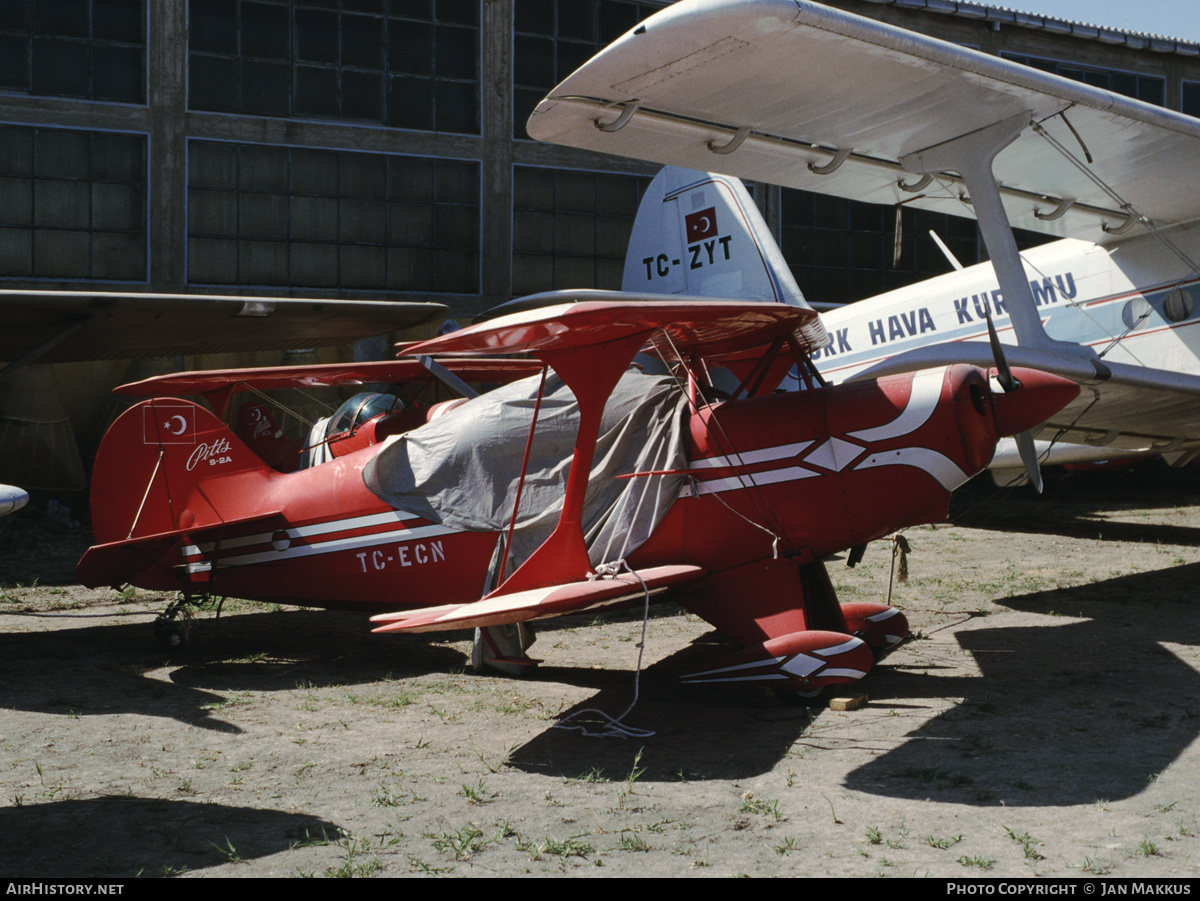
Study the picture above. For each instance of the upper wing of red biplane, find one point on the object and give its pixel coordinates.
(58, 326)
(799, 94)
(589, 318)
(589, 339)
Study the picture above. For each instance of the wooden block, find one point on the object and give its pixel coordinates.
(849, 702)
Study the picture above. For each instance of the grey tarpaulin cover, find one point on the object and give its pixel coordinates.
(462, 469)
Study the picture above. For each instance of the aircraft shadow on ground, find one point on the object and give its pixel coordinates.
(1060, 715)
(101, 669)
(120, 837)
(1067, 714)
(712, 732)
(1080, 505)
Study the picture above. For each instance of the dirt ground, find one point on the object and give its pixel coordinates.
(1043, 723)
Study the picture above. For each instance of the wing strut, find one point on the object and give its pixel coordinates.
(971, 156)
(591, 372)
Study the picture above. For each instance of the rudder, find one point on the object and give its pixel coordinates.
(700, 233)
(168, 464)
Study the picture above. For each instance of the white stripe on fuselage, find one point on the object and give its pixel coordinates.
(836, 454)
(333, 545)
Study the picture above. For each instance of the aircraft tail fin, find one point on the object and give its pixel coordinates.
(701, 234)
(167, 468)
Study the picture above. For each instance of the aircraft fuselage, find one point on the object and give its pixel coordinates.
(1122, 301)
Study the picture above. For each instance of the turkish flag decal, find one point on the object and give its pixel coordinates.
(700, 225)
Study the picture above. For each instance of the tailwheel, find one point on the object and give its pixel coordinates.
(173, 627)
(173, 636)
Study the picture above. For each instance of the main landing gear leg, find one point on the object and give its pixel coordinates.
(501, 649)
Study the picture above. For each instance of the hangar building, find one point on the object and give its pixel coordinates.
(376, 148)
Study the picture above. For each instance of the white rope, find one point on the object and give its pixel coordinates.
(613, 727)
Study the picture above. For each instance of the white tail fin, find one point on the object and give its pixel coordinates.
(700, 233)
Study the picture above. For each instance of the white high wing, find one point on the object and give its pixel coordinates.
(801, 95)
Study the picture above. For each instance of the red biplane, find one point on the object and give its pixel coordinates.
(590, 483)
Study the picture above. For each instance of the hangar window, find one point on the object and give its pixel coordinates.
(90, 49)
(570, 228)
(1149, 88)
(553, 38)
(72, 204)
(408, 65)
(1191, 98)
(842, 250)
(343, 220)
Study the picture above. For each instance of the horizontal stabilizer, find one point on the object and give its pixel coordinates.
(119, 562)
(535, 603)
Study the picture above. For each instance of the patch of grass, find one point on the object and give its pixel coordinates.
(935, 774)
(631, 841)
(394, 702)
(635, 771)
(1095, 867)
(492, 766)
(309, 840)
(477, 793)
(984, 863)
(1147, 847)
(874, 836)
(464, 842)
(942, 843)
(229, 852)
(387, 797)
(1027, 843)
(595, 776)
(763, 807)
(789, 845)
(562, 848)
(355, 867)
(427, 868)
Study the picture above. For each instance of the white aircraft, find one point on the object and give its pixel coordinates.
(12, 499)
(794, 93)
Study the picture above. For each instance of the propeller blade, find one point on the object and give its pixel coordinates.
(1003, 373)
(1030, 458)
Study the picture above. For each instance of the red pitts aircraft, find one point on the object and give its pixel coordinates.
(587, 486)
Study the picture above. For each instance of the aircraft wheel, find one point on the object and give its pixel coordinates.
(173, 636)
(791, 698)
